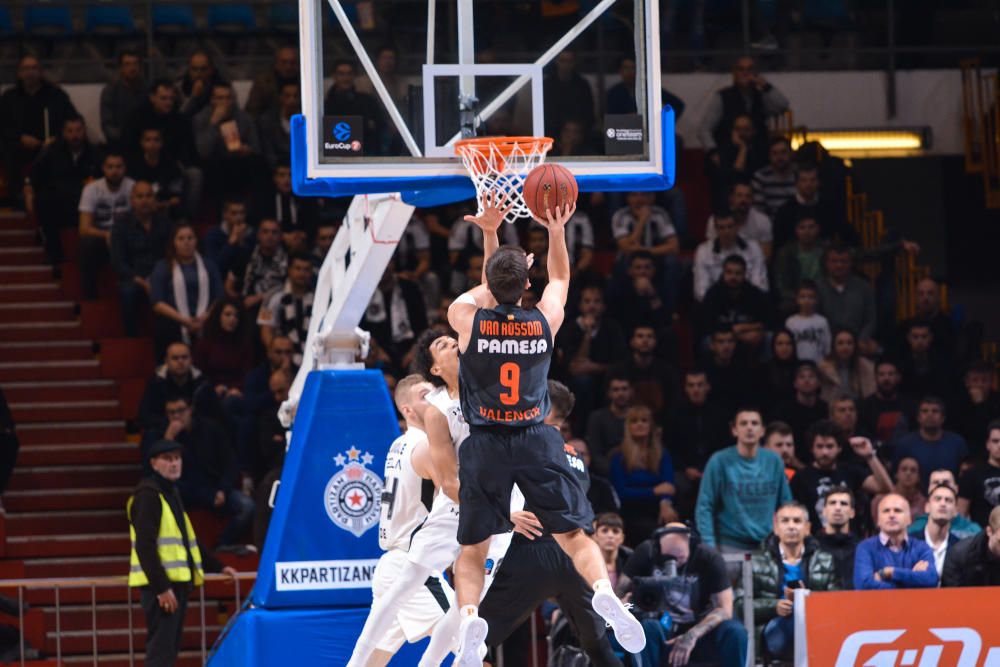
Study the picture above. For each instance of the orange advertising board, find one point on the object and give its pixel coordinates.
(951, 627)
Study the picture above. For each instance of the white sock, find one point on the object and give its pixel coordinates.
(602, 584)
(442, 640)
(468, 610)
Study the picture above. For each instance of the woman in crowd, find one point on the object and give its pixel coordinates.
(643, 475)
(781, 367)
(844, 370)
(182, 286)
(224, 352)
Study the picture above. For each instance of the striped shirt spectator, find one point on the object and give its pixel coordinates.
(774, 183)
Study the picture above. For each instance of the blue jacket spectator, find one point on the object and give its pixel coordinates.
(891, 559)
(933, 447)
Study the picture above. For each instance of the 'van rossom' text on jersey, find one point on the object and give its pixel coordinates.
(503, 374)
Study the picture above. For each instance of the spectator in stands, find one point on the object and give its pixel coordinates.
(224, 352)
(122, 96)
(287, 311)
(606, 426)
(750, 95)
(844, 414)
(798, 261)
(844, 370)
(929, 312)
(890, 559)
(781, 367)
(789, 559)
(138, 241)
(296, 216)
(196, 85)
(266, 91)
(908, 485)
(741, 488)
(32, 113)
(654, 379)
(961, 527)
(9, 445)
(385, 61)
(774, 183)
(166, 561)
(634, 298)
(165, 175)
(751, 224)
(975, 407)
(412, 259)
(931, 445)
(175, 377)
(641, 225)
(56, 180)
(847, 300)
(805, 408)
(711, 254)
(579, 242)
(733, 300)
(210, 471)
(941, 512)
(464, 243)
(395, 315)
(695, 430)
(700, 608)
(182, 287)
(102, 202)
(343, 99)
(587, 346)
(643, 474)
(835, 535)
(232, 237)
(737, 159)
(227, 143)
(778, 438)
(621, 96)
(279, 357)
(271, 438)
(326, 232)
(886, 413)
(808, 203)
(975, 561)
(810, 330)
(923, 370)
(609, 533)
(979, 492)
(159, 111)
(255, 273)
(275, 124)
(732, 379)
(827, 470)
(569, 96)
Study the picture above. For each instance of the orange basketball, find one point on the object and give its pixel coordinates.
(549, 186)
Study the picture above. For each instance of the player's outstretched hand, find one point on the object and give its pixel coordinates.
(558, 217)
(496, 205)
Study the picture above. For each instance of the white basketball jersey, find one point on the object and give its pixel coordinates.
(402, 503)
(452, 409)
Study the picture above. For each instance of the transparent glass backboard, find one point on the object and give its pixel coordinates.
(388, 86)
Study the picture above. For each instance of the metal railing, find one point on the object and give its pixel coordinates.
(95, 583)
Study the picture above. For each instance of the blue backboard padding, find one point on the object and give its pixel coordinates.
(437, 190)
(306, 637)
(338, 411)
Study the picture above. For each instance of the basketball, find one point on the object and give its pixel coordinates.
(549, 186)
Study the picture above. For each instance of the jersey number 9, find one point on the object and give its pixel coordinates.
(510, 377)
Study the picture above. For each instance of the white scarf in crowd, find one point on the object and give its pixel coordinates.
(399, 317)
(181, 297)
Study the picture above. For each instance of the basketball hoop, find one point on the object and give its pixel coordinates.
(500, 164)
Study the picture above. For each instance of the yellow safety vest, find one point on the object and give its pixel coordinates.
(169, 547)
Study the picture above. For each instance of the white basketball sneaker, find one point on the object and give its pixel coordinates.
(471, 635)
(627, 628)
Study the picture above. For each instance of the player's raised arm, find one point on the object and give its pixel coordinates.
(553, 301)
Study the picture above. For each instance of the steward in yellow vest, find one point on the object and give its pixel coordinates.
(166, 561)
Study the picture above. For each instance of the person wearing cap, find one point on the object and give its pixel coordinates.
(165, 562)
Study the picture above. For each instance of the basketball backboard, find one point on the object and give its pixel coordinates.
(388, 86)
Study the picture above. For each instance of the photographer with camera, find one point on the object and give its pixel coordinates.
(681, 592)
(790, 559)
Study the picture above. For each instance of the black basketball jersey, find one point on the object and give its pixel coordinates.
(504, 372)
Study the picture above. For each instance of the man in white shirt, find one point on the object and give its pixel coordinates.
(101, 203)
(711, 254)
(941, 508)
(751, 223)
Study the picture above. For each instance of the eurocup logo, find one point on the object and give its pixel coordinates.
(341, 131)
(353, 496)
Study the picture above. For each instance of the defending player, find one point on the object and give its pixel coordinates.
(405, 505)
(505, 356)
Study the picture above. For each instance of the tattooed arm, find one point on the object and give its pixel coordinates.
(684, 644)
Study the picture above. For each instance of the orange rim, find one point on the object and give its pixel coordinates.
(503, 145)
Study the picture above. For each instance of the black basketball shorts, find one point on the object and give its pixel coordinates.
(493, 458)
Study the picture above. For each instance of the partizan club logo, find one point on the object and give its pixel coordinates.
(353, 495)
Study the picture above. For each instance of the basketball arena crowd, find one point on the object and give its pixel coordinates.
(752, 381)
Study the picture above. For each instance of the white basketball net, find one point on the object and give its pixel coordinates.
(500, 165)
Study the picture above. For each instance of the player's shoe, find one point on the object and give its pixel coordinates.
(627, 628)
(471, 635)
